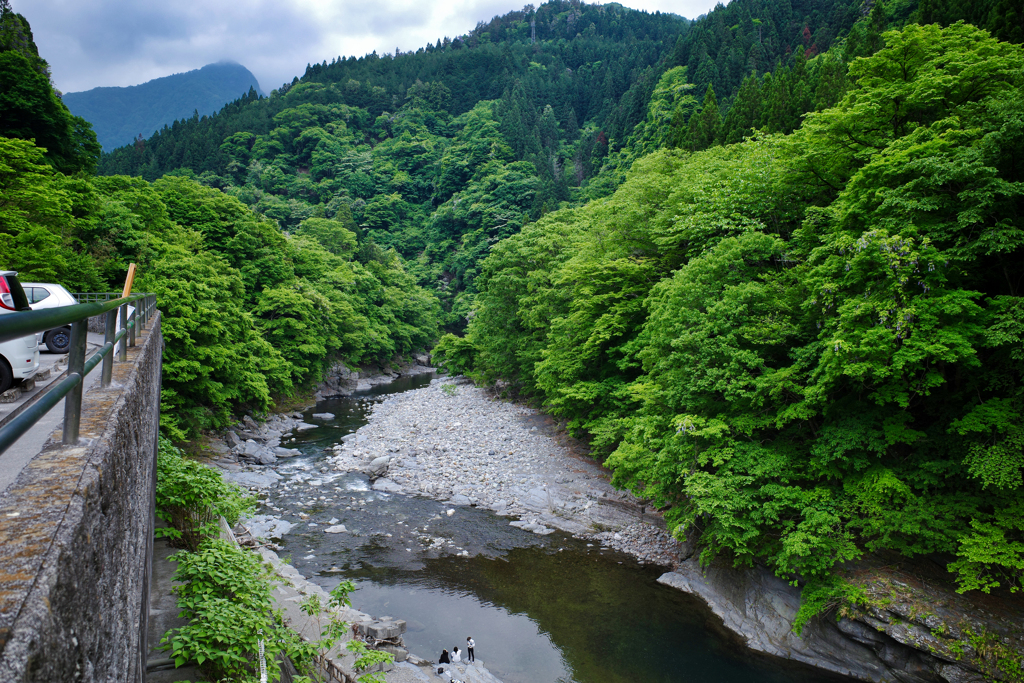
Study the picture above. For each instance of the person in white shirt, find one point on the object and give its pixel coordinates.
(456, 658)
(470, 644)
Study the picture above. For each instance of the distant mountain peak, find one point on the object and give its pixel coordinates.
(119, 114)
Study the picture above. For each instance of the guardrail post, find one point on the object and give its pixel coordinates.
(144, 318)
(135, 324)
(108, 360)
(76, 364)
(122, 346)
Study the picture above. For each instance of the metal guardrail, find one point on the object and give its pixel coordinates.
(92, 297)
(16, 325)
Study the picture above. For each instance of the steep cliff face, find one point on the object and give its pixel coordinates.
(906, 629)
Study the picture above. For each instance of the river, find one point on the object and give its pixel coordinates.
(542, 609)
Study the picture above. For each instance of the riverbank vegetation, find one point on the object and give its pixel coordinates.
(224, 591)
(808, 346)
(248, 313)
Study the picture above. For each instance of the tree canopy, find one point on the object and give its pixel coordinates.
(806, 345)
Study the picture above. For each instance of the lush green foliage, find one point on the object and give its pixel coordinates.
(249, 313)
(224, 592)
(30, 108)
(191, 497)
(807, 345)
(332, 630)
(790, 312)
(443, 153)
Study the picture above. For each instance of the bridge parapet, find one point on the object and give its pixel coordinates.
(76, 531)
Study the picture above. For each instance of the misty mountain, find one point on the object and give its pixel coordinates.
(119, 115)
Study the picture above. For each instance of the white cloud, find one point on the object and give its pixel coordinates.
(91, 43)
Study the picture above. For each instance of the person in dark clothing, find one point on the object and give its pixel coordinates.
(470, 644)
(443, 663)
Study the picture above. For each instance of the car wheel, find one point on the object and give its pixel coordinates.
(6, 376)
(59, 340)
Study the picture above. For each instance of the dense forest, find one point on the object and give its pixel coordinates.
(250, 314)
(443, 152)
(767, 262)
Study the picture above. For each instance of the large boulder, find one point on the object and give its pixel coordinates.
(265, 456)
(378, 467)
(384, 629)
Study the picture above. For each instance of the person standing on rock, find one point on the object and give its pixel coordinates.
(470, 644)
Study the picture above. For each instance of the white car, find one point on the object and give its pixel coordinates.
(48, 295)
(19, 358)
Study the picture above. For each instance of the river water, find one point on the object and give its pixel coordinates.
(542, 609)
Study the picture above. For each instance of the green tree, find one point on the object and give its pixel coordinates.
(30, 109)
(706, 125)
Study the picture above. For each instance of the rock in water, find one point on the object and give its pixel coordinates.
(265, 456)
(387, 486)
(337, 529)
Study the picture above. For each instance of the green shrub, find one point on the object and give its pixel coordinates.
(332, 629)
(225, 595)
(820, 596)
(455, 354)
(191, 496)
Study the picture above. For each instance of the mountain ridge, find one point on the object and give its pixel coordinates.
(120, 113)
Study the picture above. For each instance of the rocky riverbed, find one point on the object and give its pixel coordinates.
(454, 443)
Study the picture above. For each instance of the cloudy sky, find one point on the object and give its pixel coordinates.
(91, 43)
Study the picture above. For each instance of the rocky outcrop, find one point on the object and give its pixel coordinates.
(905, 629)
(342, 380)
(927, 631)
(257, 443)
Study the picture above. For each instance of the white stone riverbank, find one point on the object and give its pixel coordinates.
(453, 442)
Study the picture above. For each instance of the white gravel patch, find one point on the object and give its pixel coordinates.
(466, 448)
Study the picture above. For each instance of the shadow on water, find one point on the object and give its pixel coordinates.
(547, 609)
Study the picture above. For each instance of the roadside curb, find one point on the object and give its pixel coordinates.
(39, 393)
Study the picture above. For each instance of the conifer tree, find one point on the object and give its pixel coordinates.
(745, 112)
(705, 127)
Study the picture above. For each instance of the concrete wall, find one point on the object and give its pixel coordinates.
(76, 537)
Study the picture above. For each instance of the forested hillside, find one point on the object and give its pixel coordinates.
(808, 346)
(443, 152)
(121, 115)
(250, 314)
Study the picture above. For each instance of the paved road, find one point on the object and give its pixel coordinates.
(28, 446)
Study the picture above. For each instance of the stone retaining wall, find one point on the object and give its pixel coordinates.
(76, 532)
